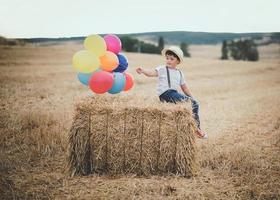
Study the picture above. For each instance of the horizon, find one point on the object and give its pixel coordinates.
(80, 36)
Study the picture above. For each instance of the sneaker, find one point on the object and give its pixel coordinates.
(200, 134)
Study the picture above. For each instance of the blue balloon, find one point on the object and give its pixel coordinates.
(123, 63)
(119, 83)
(84, 78)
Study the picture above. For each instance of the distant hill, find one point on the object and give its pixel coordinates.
(11, 42)
(196, 37)
(175, 37)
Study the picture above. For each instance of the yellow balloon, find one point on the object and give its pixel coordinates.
(85, 61)
(95, 44)
(109, 61)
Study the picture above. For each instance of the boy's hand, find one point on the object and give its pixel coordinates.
(139, 70)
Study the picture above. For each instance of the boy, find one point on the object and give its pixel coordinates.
(170, 79)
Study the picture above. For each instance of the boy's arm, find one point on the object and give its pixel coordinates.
(186, 90)
(149, 73)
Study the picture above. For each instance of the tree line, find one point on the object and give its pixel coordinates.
(237, 50)
(130, 44)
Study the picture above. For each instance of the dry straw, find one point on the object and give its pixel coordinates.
(124, 135)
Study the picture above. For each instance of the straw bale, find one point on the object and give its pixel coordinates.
(123, 135)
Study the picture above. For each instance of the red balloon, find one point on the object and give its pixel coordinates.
(101, 82)
(129, 82)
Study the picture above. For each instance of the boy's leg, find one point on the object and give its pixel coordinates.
(173, 96)
(168, 96)
(195, 105)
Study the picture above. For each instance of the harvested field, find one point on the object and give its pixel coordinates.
(240, 103)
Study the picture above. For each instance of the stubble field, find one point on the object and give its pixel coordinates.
(240, 103)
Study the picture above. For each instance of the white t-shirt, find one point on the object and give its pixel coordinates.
(176, 79)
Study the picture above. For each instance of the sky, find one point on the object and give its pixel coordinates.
(69, 18)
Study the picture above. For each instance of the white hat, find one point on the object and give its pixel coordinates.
(175, 50)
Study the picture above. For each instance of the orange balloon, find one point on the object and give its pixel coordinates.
(109, 61)
(129, 82)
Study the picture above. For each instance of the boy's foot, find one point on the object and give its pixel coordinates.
(200, 134)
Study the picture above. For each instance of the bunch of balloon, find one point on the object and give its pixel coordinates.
(101, 66)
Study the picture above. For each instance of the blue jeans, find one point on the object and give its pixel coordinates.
(173, 96)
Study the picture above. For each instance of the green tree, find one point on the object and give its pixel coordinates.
(224, 51)
(251, 51)
(129, 44)
(160, 43)
(275, 36)
(149, 48)
(235, 50)
(185, 48)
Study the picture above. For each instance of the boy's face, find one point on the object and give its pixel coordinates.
(171, 61)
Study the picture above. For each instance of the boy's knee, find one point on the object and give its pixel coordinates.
(195, 103)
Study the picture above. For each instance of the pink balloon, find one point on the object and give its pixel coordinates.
(113, 43)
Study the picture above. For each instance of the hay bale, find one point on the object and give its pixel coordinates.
(119, 135)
